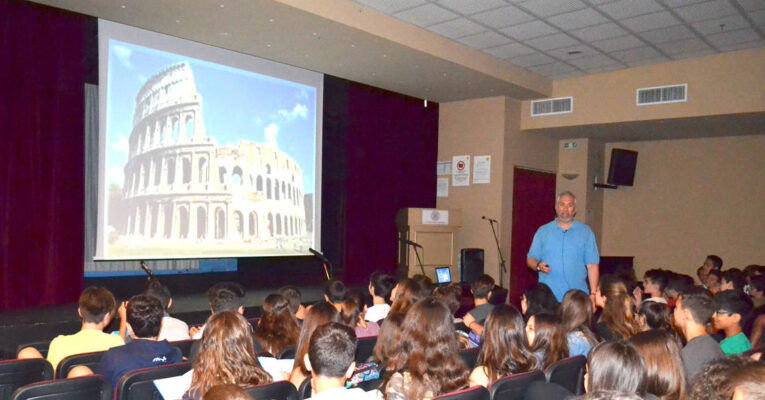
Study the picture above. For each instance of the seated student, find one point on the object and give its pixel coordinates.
(692, 313)
(451, 295)
(386, 344)
(481, 289)
(295, 298)
(665, 375)
(96, 308)
(576, 319)
(732, 310)
(334, 293)
(173, 329)
(380, 286)
(227, 392)
(505, 349)
(226, 355)
(425, 283)
(317, 315)
(425, 363)
(677, 284)
(330, 359)
(144, 319)
(618, 319)
(714, 281)
(655, 315)
(757, 322)
(538, 299)
(546, 339)
(615, 365)
(223, 296)
(278, 329)
(404, 295)
(654, 282)
(711, 263)
(732, 279)
(722, 379)
(352, 313)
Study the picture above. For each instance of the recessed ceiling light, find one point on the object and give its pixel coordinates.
(177, 21)
(385, 56)
(270, 20)
(222, 5)
(353, 45)
(268, 45)
(123, 6)
(314, 33)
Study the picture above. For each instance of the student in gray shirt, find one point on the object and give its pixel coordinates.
(481, 289)
(693, 311)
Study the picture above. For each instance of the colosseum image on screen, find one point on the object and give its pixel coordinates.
(184, 194)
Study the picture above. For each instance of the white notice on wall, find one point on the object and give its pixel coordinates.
(442, 187)
(482, 169)
(435, 217)
(443, 168)
(461, 171)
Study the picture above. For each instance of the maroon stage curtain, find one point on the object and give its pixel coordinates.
(43, 72)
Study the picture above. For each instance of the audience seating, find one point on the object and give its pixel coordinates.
(89, 360)
(469, 356)
(139, 384)
(304, 391)
(184, 346)
(569, 373)
(514, 386)
(94, 387)
(281, 390)
(473, 393)
(288, 353)
(41, 346)
(17, 373)
(364, 348)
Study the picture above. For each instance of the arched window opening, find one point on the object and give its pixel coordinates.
(184, 222)
(238, 223)
(253, 224)
(201, 223)
(186, 170)
(203, 170)
(237, 174)
(220, 223)
(170, 171)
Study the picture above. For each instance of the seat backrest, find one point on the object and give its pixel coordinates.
(473, 393)
(184, 346)
(139, 384)
(569, 373)
(514, 386)
(304, 391)
(364, 349)
(17, 373)
(281, 390)
(288, 353)
(469, 356)
(41, 346)
(93, 387)
(89, 360)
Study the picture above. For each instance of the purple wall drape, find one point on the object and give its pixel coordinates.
(42, 78)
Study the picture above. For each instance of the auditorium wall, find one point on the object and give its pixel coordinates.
(691, 197)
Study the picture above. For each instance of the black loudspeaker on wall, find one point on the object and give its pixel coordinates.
(471, 265)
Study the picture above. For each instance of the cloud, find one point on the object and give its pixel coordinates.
(303, 94)
(115, 175)
(271, 132)
(123, 55)
(121, 145)
(299, 111)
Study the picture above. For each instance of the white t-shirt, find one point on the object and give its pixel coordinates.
(377, 312)
(173, 329)
(342, 393)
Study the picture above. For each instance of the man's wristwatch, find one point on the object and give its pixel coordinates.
(538, 266)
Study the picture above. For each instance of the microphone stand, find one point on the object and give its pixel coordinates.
(502, 267)
(422, 268)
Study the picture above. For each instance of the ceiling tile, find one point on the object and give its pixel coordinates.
(530, 60)
(758, 17)
(650, 22)
(719, 25)
(599, 32)
(583, 51)
(734, 37)
(708, 10)
(484, 40)
(426, 15)
(620, 43)
(680, 3)
(693, 54)
(742, 46)
(456, 28)
(751, 5)
(577, 19)
(509, 50)
(683, 46)
(552, 68)
(390, 6)
(630, 8)
(503, 17)
(546, 8)
(663, 35)
(606, 68)
(648, 61)
(599, 2)
(567, 75)
(471, 7)
(555, 41)
(593, 62)
(639, 53)
(529, 30)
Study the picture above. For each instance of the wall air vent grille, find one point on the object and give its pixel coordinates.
(662, 95)
(562, 105)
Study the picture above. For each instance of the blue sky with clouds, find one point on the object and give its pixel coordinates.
(236, 105)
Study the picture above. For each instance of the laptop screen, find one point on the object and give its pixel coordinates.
(444, 275)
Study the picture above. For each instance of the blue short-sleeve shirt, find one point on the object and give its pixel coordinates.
(567, 253)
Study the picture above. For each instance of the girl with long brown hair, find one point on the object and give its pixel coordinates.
(546, 339)
(353, 311)
(665, 374)
(277, 329)
(505, 349)
(425, 363)
(576, 320)
(619, 319)
(317, 315)
(406, 294)
(226, 355)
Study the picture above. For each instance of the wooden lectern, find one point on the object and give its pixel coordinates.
(435, 231)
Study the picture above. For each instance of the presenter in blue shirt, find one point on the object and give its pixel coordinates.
(564, 252)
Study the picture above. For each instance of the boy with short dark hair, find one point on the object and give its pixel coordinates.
(380, 286)
(732, 279)
(173, 329)
(334, 293)
(481, 289)
(223, 296)
(732, 309)
(144, 318)
(692, 313)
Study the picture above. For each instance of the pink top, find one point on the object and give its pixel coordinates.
(372, 330)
